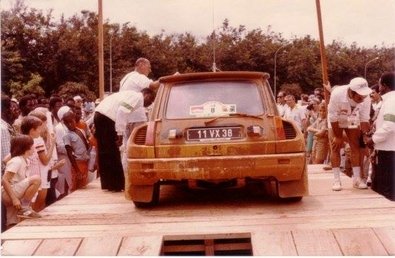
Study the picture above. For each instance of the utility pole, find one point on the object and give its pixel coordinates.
(101, 51)
(275, 71)
(324, 66)
(111, 63)
(366, 66)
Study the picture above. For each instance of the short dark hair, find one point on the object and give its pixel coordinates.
(30, 122)
(388, 79)
(291, 96)
(53, 100)
(5, 103)
(23, 101)
(20, 144)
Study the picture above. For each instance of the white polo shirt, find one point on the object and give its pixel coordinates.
(119, 106)
(341, 109)
(384, 137)
(296, 114)
(136, 81)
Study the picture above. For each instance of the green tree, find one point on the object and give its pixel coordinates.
(292, 88)
(71, 89)
(66, 51)
(19, 89)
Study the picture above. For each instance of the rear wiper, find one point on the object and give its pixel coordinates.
(234, 114)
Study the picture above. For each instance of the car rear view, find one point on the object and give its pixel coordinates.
(215, 130)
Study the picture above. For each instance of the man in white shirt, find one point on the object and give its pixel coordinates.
(383, 139)
(136, 81)
(348, 111)
(295, 112)
(111, 117)
(281, 105)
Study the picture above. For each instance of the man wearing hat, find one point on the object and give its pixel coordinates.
(348, 111)
(64, 173)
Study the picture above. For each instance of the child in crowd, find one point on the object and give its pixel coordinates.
(19, 188)
(78, 149)
(79, 122)
(34, 127)
(321, 142)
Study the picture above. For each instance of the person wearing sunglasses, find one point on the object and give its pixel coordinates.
(281, 103)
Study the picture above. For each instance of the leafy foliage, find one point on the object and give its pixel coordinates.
(19, 89)
(43, 56)
(71, 89)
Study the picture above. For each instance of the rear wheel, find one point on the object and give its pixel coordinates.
(154, 200)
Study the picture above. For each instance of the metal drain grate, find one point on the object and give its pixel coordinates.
(219, 244)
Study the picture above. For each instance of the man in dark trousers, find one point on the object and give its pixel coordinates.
(383, 139)
(111, 118)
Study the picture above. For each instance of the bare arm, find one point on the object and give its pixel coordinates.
(46, 156)
(154, 85)
(72, 158)
(6, 182)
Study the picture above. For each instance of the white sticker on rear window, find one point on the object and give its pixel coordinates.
(212, 108)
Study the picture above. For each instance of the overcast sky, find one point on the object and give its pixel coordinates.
(366, 22)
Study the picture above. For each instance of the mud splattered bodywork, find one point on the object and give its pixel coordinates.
(208, 129)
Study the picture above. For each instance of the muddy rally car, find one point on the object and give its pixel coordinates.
(215, 130)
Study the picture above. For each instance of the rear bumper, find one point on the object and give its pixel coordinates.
(283, 167)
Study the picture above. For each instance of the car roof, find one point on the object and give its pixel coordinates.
(214, 75)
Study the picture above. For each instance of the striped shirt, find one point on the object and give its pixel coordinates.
(35, 164)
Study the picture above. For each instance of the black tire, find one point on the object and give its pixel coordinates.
(154, 201)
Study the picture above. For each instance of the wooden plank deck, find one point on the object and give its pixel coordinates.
(95, 222)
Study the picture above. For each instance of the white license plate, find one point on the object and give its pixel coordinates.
(215, 133)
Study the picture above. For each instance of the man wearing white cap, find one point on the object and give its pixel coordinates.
(348, 111)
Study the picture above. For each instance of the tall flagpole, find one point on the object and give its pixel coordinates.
(101, 51)
(324, 65)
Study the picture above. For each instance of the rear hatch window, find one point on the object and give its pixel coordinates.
(213, 99)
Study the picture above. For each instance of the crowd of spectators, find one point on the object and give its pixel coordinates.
(309, 113)
(73, 141)
(61, 140)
